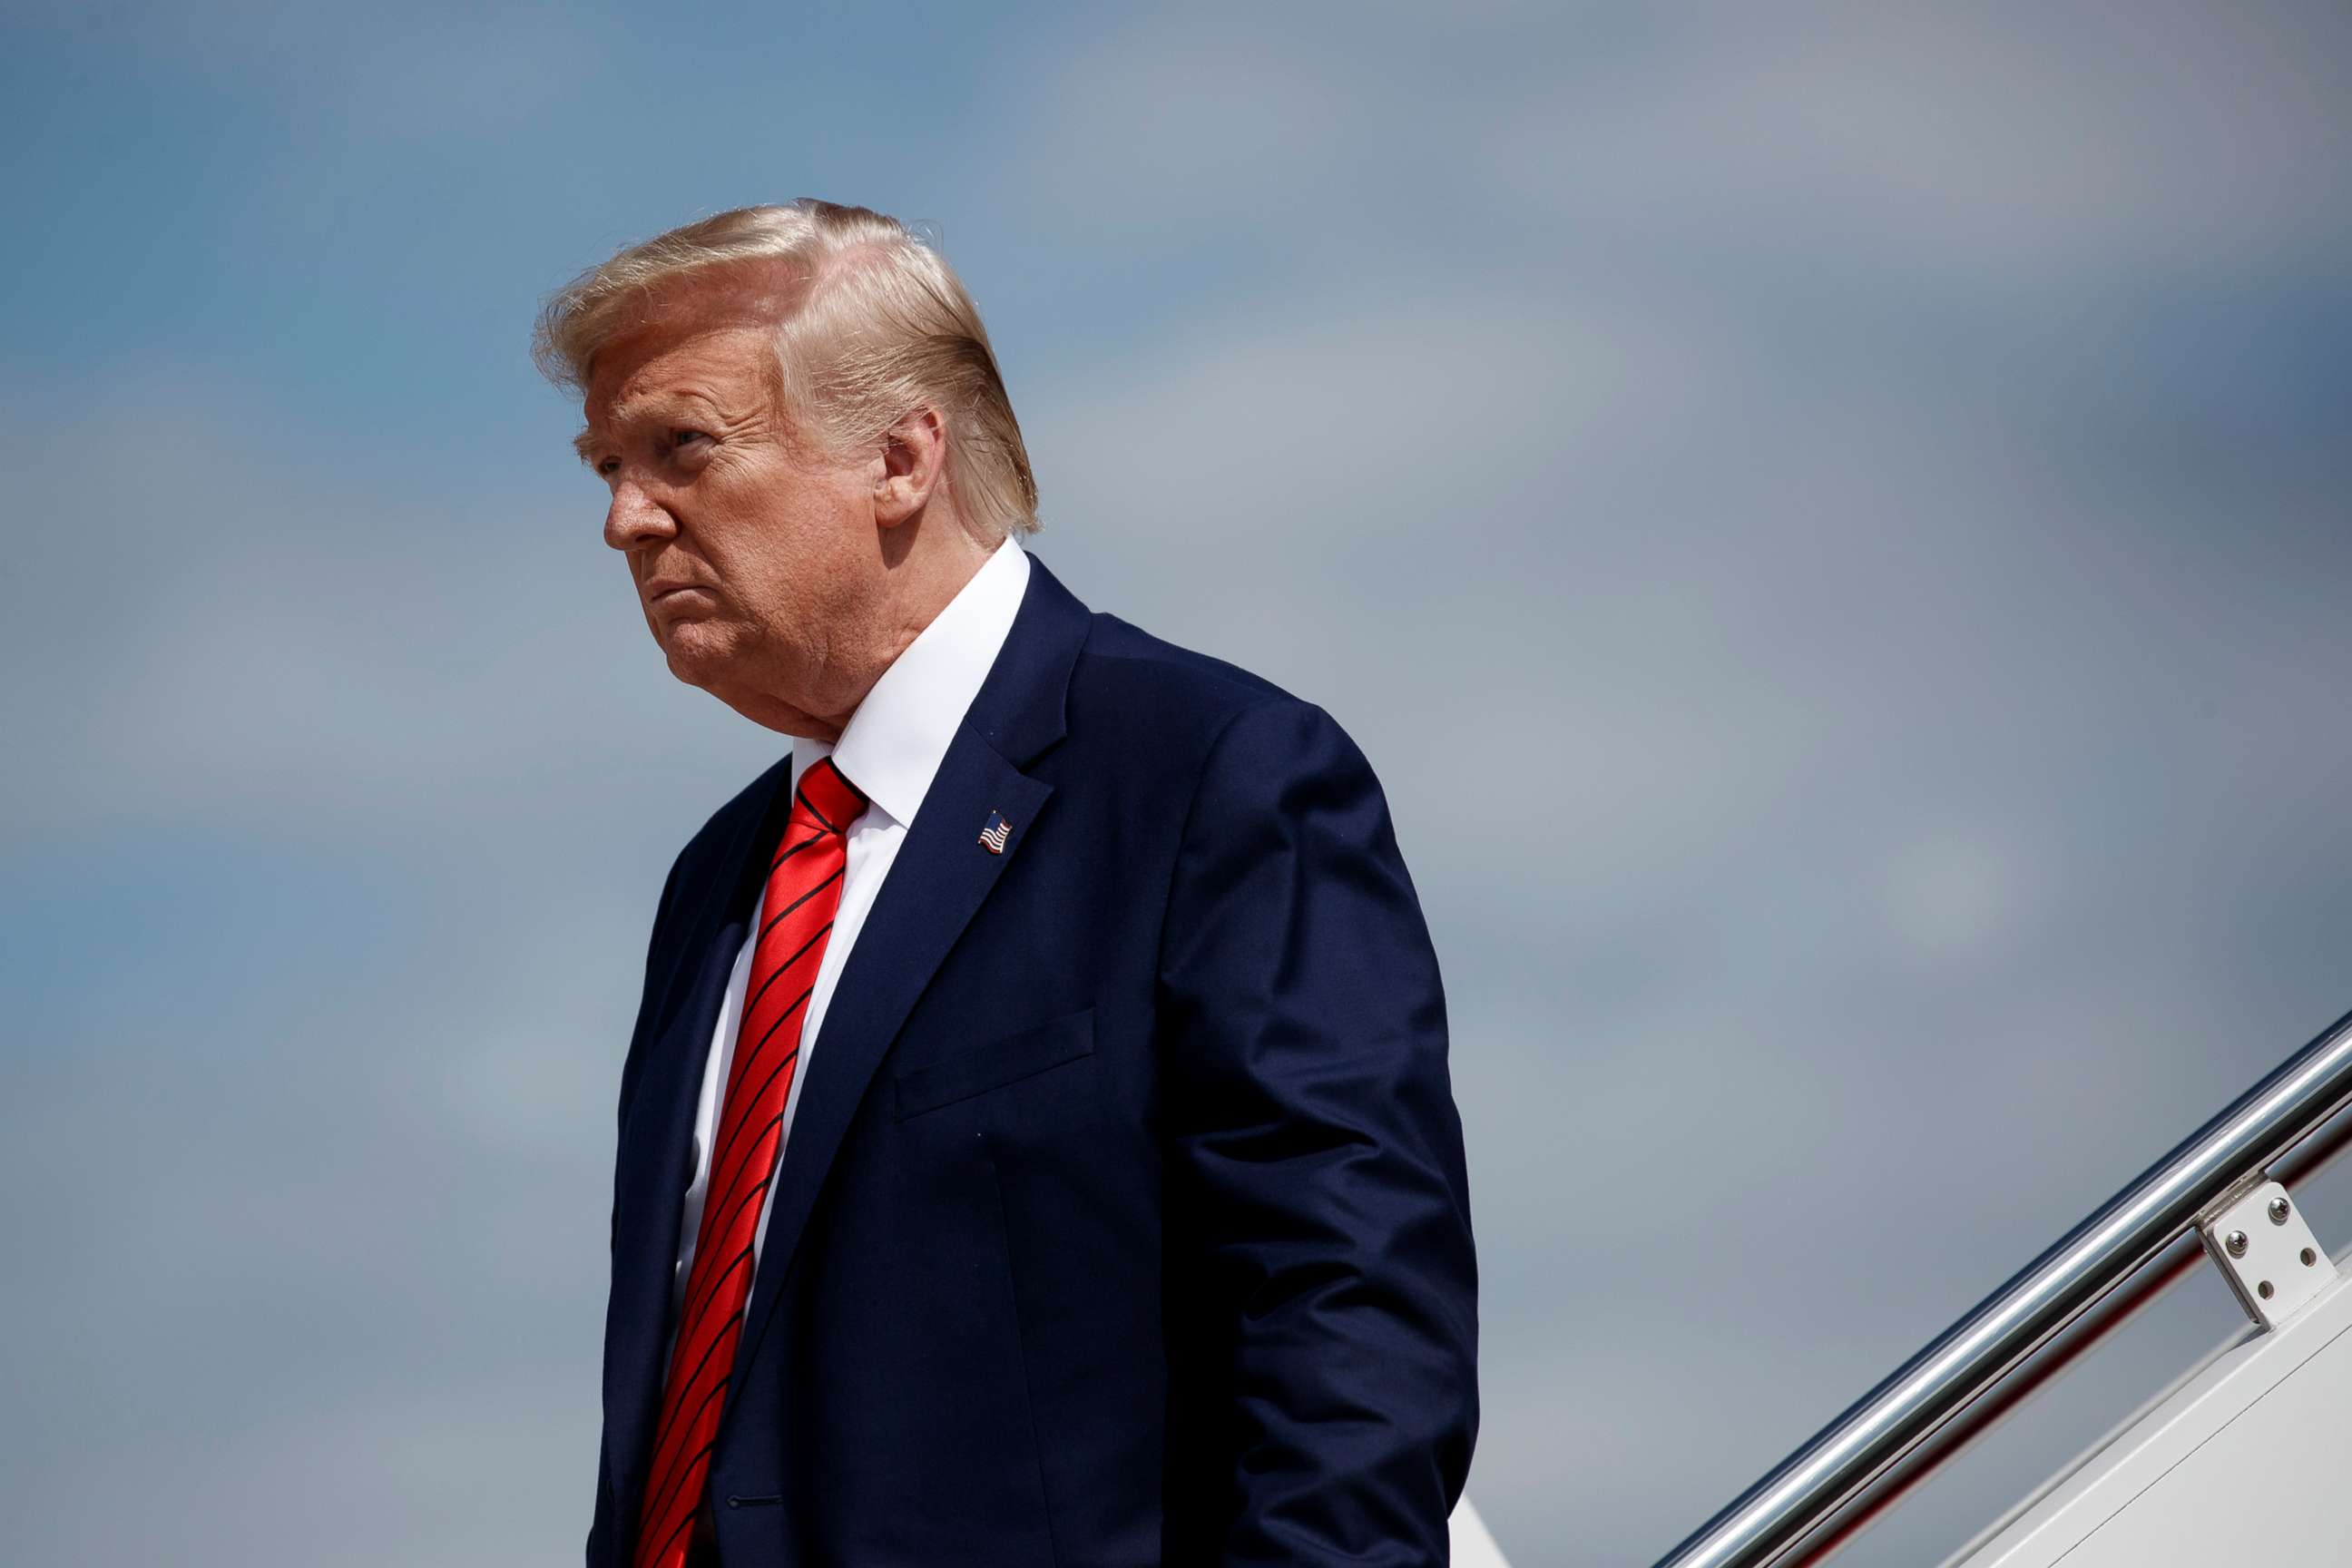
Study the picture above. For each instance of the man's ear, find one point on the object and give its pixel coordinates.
(914, 455)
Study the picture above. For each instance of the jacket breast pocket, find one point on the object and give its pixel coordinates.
(929, 1086)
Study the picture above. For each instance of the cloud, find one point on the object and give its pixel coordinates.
(1977, 150)
(409, 74)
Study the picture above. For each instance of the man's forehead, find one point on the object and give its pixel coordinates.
(649, 360)
(721, 372)
(648, 370)
(742, 297)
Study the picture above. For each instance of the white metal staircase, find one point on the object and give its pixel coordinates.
(2240, 1462)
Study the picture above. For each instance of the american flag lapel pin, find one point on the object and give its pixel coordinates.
(994, 835)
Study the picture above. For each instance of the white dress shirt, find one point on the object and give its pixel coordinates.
(890, 748)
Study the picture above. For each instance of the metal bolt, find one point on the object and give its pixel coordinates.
(2310, 1258)
(2263, 1290)
(2236, 1242)
(2278, 1211)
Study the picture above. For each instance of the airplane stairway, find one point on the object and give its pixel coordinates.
(2239, 1462)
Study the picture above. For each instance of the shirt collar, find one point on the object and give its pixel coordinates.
(894, 743)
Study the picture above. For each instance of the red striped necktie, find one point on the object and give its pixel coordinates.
(795, 917)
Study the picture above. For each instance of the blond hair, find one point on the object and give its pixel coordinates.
(873, 325)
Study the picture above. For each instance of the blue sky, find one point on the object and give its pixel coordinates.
(1831, 527)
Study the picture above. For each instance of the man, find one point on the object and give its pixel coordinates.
(1036, 1144)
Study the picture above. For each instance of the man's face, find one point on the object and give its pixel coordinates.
(753, 556)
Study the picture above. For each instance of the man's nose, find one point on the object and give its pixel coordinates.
(635, 518)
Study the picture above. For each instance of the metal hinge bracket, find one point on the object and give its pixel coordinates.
(2264, 1249)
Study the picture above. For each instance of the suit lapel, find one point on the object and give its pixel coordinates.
(936, 883)
(652, 1165)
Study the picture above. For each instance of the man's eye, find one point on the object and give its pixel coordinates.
(608, 467)
(687, 437)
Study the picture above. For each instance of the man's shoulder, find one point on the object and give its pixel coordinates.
(1125, 673)
(1230, 734)
(1140, 706)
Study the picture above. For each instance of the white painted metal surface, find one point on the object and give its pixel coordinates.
(2243, 1463)
(1473, 1547)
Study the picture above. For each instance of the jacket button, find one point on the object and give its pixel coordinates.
(734, 1502)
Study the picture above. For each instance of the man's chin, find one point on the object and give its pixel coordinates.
(697, 660)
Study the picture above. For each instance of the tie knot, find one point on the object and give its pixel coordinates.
(827, 799)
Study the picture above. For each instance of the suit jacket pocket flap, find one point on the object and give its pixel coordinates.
(1002, 1062)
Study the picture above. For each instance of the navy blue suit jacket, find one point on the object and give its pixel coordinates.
(1124, 1217)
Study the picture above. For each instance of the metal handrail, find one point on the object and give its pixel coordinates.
(1969, 1358)
(1843, 1525)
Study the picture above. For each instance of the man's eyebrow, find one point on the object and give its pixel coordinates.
(650, 409)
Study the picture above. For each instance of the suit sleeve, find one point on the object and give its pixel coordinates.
(1314, 1155)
